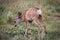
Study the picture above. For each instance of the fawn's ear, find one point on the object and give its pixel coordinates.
(19, 13)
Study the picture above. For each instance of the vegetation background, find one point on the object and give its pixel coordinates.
(9, 9)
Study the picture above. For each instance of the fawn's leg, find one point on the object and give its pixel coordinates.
(44, 22)
(27, 27)
(30, 33)
(37, 22)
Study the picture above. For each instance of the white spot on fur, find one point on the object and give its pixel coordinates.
(39, 12)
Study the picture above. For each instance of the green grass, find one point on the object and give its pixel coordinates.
(53, 30)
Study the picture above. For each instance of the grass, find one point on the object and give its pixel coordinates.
(53, 31)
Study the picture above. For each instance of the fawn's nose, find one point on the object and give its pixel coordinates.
(15, 25)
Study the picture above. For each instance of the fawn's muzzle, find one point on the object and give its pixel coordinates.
(16, 22)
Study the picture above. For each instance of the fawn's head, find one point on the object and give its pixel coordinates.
(17, 19)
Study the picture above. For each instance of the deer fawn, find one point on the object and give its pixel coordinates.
(32, 14)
